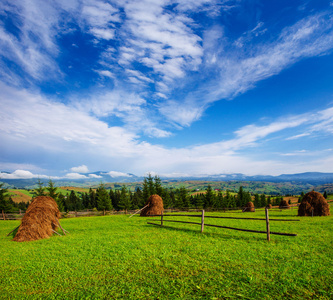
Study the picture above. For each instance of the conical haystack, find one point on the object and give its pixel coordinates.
(40, 220)
(249, 207)
(284, 204)
(313, 203)
(155, 206)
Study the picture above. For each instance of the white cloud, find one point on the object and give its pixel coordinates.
(237, 71)
(95, 176)
(80, 169)
(22, 174)
(100, 17)
(75, 176)
(118, 174)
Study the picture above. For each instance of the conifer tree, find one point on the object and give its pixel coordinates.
(125, 201)
(256, 201)
(219, 203)
(200, 201)
(240, 197)
(263, 202)
(61, 201)
(52, 190)
(209, 197)
(5, 204)
(158, 186)
(103, 199)
(137, 201)
(40, 191)
(184, 199)
(269, 200)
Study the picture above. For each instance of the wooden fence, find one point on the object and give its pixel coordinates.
(268, 232)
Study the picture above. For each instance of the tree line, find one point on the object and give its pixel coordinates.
(104, 199)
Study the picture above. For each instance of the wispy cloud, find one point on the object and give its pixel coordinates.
(239, 71)
(69, 129)
(80, 169)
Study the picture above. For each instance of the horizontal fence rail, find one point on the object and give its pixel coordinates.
(219, 217)
(202, 223)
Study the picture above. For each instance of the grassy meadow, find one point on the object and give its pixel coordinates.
(117, 257)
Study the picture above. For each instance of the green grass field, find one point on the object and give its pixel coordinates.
(116, 257)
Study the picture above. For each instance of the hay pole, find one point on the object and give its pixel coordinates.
(56, 232)
(63, 230)
(267, 225)
(138, 211)
(13, 230)
(202, 220)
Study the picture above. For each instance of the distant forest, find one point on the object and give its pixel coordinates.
(105, 199)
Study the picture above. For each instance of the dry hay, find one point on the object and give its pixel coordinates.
(154, 206)
(284, 204)
(249, 207)
(40, 220)
(313, 202)
(269, 206)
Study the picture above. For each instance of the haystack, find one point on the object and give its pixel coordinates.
(154, 206)
(40, 220)
(313, 202)
(249, 207)
(284, 204)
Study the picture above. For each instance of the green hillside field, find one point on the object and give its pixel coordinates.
(117, 257)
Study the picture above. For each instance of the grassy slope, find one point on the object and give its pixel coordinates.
(117, 257)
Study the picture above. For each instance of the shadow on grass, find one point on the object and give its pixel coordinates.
(250, 237)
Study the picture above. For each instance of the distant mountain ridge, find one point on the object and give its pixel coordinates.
(92, 178)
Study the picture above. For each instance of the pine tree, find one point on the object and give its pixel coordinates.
(60, 202)
(269, 200)
(200, 201)
(103, 199)
(151, 185)
(256, 200)
(178, 200)
(74, 202)
(246, 198)
(40, 191)
(167, 201)
(158, 186)
(52, 190)
(125, 201)
(219, 200)
(184, 199)
(240, 197)
(5, 204)
(137, 199)
(263, 202)
(209, 197)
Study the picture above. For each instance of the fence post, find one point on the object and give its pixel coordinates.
(202, 220)
(267, 225)
(3, 215)
(162, 218)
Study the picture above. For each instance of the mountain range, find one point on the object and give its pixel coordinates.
(313, 178)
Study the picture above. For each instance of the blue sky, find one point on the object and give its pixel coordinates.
(172, 87)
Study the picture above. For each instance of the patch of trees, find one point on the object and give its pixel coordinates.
(6, 202)
(122, 198)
